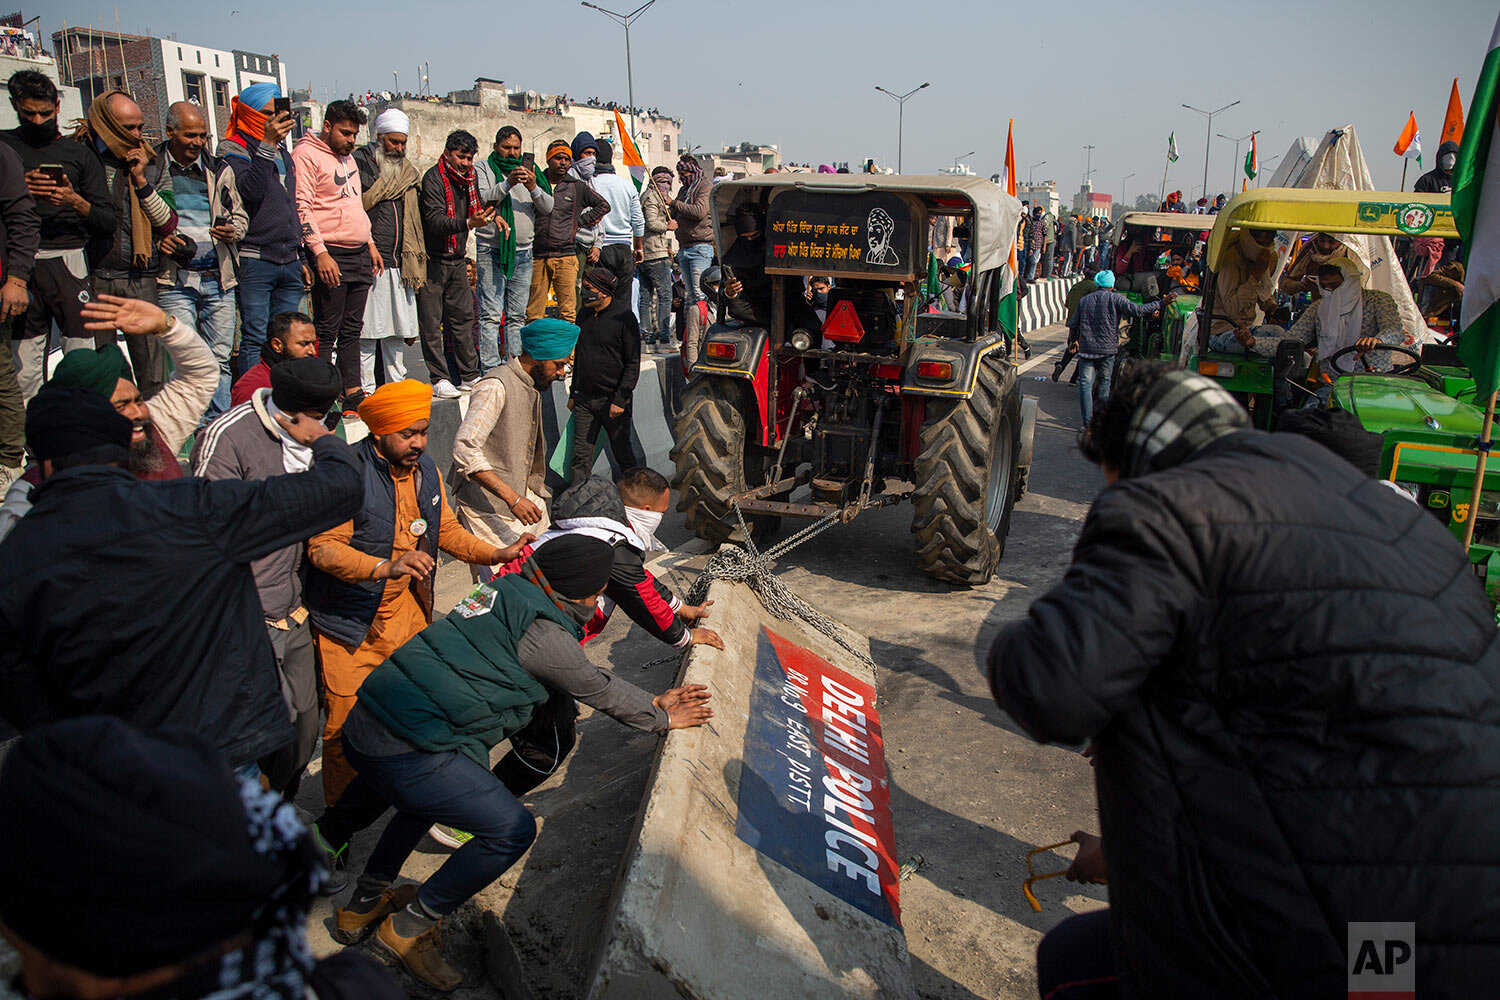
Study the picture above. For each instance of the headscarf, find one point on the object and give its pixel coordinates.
(577, 566)
(1180, 413)
(601, 278)
(392, 120)
(175, 856)
(582, 141)
(98, 370)
(501, 166)
(549, 339)
(1341, 312)
(1105, 279)
(604, 162)
(65, 420)
(553, 148)
(694, 170)
(661, 180)
(395, 406)
(245, 115)
(825, 168)
(451, 178)
(102, 125)
(305, 385)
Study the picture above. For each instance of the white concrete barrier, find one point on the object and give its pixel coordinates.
(764, 860)
(1043, 306)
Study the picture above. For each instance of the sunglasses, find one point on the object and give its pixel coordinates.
(1033, 877)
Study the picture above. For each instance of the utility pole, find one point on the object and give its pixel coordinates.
(1208, 136)
(900, 100)
(1236, 142)
(1088, 164)
(1122, 190)
(1031, 174)
(625, 20)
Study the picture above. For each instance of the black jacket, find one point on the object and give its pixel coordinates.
(1437, 180)
(575, 206)
(385, 216)
(61, 227)
(135, 599)
(20, 226)
(437, 224)
(608, 354)
(1292, 681)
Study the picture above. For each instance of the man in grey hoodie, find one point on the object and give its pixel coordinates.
(503, 248)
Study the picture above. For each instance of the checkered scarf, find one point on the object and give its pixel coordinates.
(1180, 414)
(451, 177)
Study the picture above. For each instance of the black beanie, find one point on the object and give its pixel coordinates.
(601, 278)
(1341, 433)
(576, 565)
(148, 831)
(63, 420)
(305, 385)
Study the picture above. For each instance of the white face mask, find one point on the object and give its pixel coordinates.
(1447, 160)
(645, 523)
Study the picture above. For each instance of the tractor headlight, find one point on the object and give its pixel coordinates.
(801, 340)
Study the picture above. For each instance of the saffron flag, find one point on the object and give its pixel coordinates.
(1453, 121)
(1172, 148)
(1476, 210)
(629, 154)
(1252, 160)
(1410, 143)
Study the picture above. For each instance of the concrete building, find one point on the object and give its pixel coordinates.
(1042, 193)
(1090, 202)
(158, 72)
(541, 118)
(21, 50)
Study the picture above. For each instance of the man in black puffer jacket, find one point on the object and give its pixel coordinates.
(1291, 679)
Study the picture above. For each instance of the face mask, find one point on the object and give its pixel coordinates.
(39, 132)
(584, 165)
(589, 296)
(1447, 160)
(644, 523)
(820, 299)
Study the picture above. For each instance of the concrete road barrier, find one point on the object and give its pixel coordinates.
(764, 862)
(1043, 306)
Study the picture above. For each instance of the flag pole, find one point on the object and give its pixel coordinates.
(1164, 168)
(1404, 162)
(1484, 453)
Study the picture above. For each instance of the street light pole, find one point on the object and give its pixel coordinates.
(1122, 190)
(625, 20)
(1236, 142)
(960, 156)
(1031, 174)
(1088, 164)
(1208, 137)
(900, 100)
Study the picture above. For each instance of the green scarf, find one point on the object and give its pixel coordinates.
(502, 166)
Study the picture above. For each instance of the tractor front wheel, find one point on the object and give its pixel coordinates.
(713, 464)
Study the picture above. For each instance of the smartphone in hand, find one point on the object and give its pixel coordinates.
(528, 160)
(281, 105)
(55, 173)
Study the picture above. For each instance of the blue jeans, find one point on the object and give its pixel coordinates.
(1088, 370)
(451, 789)
(265, 289)
(656, 292)
(209, 310)
(692, 262)
(501, 295)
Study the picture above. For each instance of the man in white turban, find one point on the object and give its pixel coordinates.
(391, 186)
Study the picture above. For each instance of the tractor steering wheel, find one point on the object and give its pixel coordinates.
(1405, 369)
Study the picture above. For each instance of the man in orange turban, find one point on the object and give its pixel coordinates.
(370, 586)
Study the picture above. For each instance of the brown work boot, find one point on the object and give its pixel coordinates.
(422, 955)
(354, 927)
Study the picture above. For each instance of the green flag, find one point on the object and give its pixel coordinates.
(934, 286)
(1476, 201)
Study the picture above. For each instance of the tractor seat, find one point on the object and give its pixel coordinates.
(1441, 356)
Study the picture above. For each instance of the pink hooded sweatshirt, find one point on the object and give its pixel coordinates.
(328, 197)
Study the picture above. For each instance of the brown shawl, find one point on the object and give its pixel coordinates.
(404, 184)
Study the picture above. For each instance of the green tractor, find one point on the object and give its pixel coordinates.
(893, 395)
(1424, 407)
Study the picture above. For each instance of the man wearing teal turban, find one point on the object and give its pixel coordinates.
(499, 464)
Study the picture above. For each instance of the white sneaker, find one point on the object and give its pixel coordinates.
(468, 384)
(443, 389)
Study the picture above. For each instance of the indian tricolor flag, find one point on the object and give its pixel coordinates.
(1476, 209)
(1009, 305)
(1409, 144)
(629, 154)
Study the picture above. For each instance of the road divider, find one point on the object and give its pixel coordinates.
(1043, 304)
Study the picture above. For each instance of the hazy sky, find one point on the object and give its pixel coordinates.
(802, 73)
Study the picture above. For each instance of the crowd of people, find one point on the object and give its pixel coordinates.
(318, 558)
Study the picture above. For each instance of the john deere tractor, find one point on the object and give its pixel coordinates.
(895, 391)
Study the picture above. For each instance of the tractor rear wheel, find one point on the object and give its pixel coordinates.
(712, 463)
(966, 482)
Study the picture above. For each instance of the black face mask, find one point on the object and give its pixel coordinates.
(589, 296)
(820, 299)
(38, 133)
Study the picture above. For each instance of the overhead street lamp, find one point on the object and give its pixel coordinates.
(1031, 173)
(900, 100)
(625, 20)
(1236, 142)
(1088, 170)
(1209, 136)
(1264, 167)
(960, 156)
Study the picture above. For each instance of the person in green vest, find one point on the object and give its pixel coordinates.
(505, 664)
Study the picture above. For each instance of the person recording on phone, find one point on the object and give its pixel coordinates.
(508, 181)
(198, 274)
(451, 207)
(67, 182)
(272, 275)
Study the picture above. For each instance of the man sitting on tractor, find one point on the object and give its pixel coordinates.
(749, 290)
(1244, 292)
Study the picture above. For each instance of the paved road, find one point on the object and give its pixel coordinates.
(971, 795)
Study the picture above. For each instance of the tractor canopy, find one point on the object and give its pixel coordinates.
(866, 225)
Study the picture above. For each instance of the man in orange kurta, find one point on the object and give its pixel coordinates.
(370, 589)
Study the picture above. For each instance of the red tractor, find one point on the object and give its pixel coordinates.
(890, 394)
